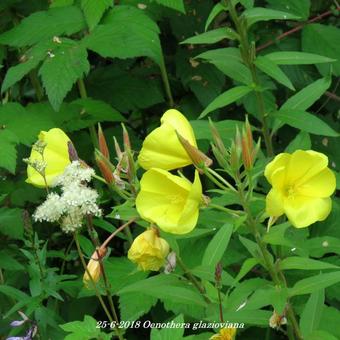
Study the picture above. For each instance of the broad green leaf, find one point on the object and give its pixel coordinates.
(38, 27)
(11, 222)
(323, 40)
(94, 10)
(30, 60)
(217, 246)
(319, 246)
(65, 65)
(217, 9)
(308, 96)
(317, 335)
(8, 152)
(86, 329)
(274, 71)
(302, 141)
(297, 58)
(300, 8)
(330, 323)
(177, 5)
(314, 283)
(61, 3)
(169, 333)
(257, 14)
(305, 121)
(276, 235)
(212, 37)
(311, 315)
(303, 263)
(208, 273)
(226, 98)
(126, 32)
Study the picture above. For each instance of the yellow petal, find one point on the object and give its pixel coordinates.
(322, 184)
(274, 203)
(303, 211)
(280, 161)
(162, 149)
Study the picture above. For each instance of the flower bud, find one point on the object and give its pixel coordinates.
(148, 250)
(104, 166)
(93, 267)
(72, 152)
(102, 143)
(225, 334)
(277, 320)
(198, 158)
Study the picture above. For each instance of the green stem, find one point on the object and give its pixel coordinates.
(224, 209)
(213, 179)
(166, 83)
(219, 177)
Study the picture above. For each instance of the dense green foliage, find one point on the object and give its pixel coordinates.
(74, 63)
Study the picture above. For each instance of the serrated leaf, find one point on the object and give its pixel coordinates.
(126, 32)
(314, 283)
(297, 58)
(177, 5)
(65, 65)
(311, 315)
(38, 27)
(217, 246)
(212, 37)
(169, 333)
(11, 222)
(274, 71)
(94, 10)
(306, 121)
(256, 14)
(8, 152)
(82, 329)
(303, 263)
(226, 98)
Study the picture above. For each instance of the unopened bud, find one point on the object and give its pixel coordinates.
(277, 320)
(102, 143)
(126, 139)
(104, 166)
(217, 139)
(72, 152)
(218, 275)
(93, 271)
(198, 158)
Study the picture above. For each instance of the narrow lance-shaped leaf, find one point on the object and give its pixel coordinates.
(212, 36)
(297, 58)
(296, 262)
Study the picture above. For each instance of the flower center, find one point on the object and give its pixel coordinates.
(175, 199)
(289, 190)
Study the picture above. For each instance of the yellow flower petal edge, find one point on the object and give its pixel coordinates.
(55, 155)
(225, 334)
(301, 187)
(149, 250)
(170, 201)
(162, 149)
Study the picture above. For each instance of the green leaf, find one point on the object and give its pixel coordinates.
(38, 26)
(276, 235)
(305, 98)
(303, 263)
(302, 141)
(221, 55)
(212, 36)
(311, 315)
(305, 121)
(11, 222)
(126, 32)
(13, 292)
(94, 10)
(177, 5)
(65, 65)
(169, 333)
(226, 98)
(247, 266)
(270, 68)
(217, 246)
(317, 335)
(300, 8)
(61, 3)
(314, 283)
(86, 329)
(324, 40)
(9, 262)
(248, 317)
(208, 273)
(257, 14)
(217, 9)
(8, 152)
(297, 58)
(319, 246)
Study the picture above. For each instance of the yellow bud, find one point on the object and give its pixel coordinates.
(94, 267)
(148, 250)
(225, 334)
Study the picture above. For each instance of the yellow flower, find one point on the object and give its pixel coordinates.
(301, 186)
(149, 250)
(94, 267)
(162, 149)
(170, 201)
(225, 334)
(52, 150)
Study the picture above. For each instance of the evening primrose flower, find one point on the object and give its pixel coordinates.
(170, 201)
(149, 250)
(162, 149)
(49, 157)
(301, 187)
(225, 334)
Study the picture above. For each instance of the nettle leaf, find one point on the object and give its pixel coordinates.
(177, 5)
(269, 67)
(30, 60)
(8, 152)
(45, 24)
(256, 14)
(82, 329)
(212, 36)
(126, 32)
(169, 333)
(297, 58)
(11, 222)
(324, 40)
(300, 7)
(226, 98)
(66, 63)
(94, 10)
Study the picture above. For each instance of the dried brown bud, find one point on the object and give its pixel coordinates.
(102, 143)
(105, 167)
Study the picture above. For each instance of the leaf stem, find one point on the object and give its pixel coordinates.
(166, 82)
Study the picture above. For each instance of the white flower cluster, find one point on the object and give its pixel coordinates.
(75, 201)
